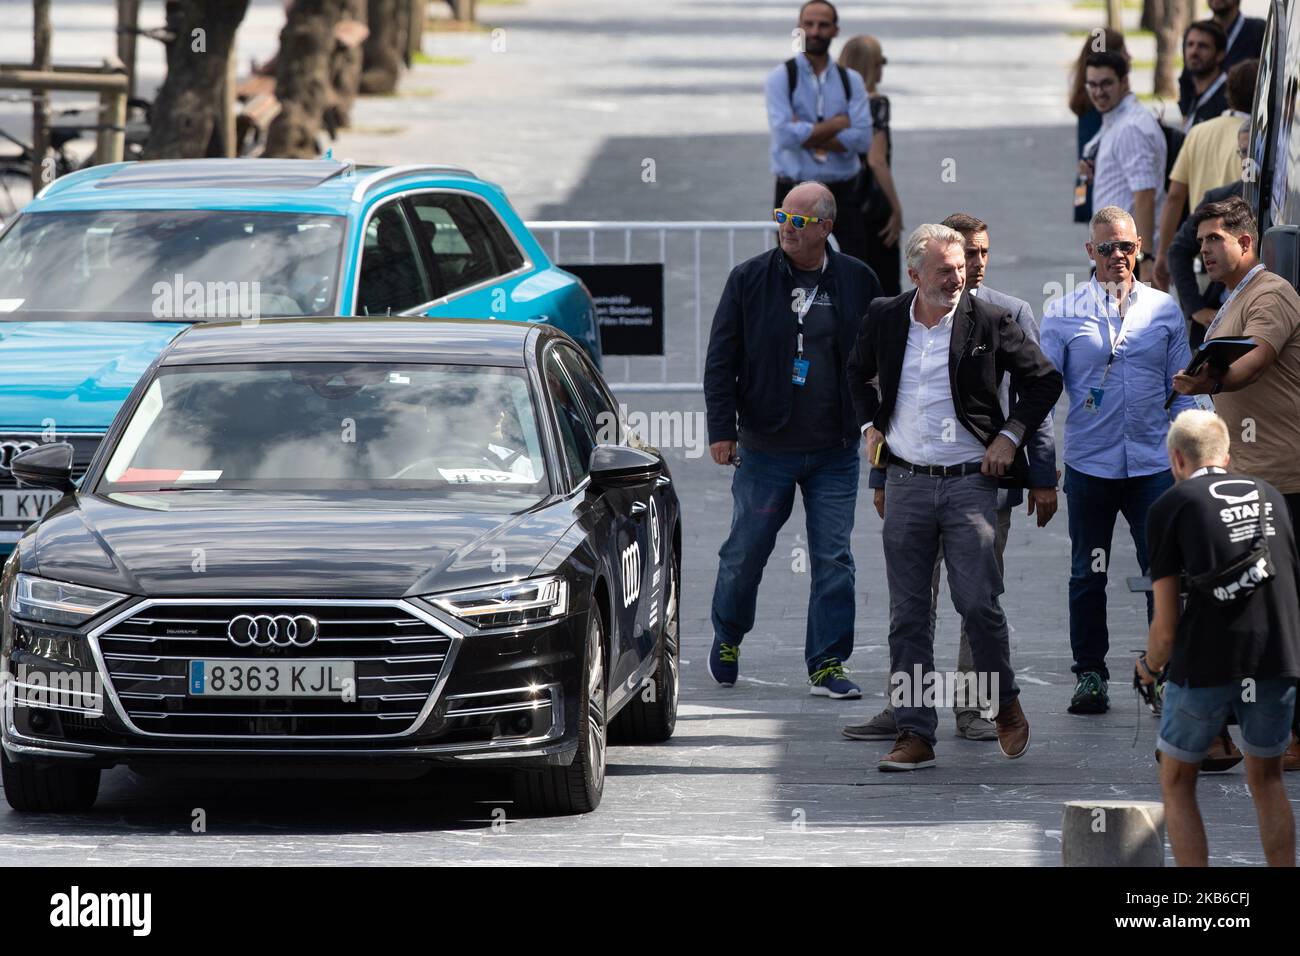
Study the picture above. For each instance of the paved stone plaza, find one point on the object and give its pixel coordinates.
(563, 118)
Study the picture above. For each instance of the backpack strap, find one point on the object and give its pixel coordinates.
(792, 80)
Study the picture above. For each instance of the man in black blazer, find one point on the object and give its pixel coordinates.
(924, 375)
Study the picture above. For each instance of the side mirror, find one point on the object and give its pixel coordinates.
(1281, 253)
(45, 466)
(618, 466)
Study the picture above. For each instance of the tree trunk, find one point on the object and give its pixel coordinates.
(1170, 20)
(1148, 21)
(1115, 15)
(42, 34)
(345, 72)
(416, 10)
(302, 78)
(128, 21)
(385, 47)
(185, 111)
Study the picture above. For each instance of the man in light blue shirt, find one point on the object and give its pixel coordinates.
(820, 118)
(1118, 344)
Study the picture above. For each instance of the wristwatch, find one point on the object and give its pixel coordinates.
(1147, 667)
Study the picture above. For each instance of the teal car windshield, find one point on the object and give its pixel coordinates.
(368, 426)
(172, 263)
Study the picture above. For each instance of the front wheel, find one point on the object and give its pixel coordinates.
(651, 716)
(56, 789)
(578, 787)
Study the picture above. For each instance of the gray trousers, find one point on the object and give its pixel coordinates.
(923, 515)
(965, 663)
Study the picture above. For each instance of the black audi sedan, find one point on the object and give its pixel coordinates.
(346, 542)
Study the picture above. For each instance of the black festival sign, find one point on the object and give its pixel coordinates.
(629, 305)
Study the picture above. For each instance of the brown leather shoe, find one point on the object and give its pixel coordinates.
(910, 753)
(1222, 756)
(1013, 729)
(1291, 759)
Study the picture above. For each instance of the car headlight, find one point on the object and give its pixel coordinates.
(57, 602)
(508, 605)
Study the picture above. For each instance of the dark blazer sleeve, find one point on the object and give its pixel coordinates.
(1182, 255)
(1041, 446)
(723, 362)
(862, 368)
(1035, 382)
(1184, 248)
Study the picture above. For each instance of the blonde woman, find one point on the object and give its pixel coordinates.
(881, 210)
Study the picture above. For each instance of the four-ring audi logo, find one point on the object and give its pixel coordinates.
(9, 448)
(265, 630)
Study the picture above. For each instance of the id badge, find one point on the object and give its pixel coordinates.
(1093, 401)
(800, 375)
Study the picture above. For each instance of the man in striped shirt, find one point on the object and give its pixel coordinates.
(1125, 161)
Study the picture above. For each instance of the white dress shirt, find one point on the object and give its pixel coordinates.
(924, 428)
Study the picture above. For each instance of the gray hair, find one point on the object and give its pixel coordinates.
(919, 241)
(825, 206)
(1201, 436)
(1109, 214)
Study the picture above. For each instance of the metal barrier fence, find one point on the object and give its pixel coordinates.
(694, 276)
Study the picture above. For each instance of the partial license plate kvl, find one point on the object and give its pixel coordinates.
(26, 505)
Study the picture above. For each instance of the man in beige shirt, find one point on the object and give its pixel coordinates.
(1209, 157)
(1259, 394)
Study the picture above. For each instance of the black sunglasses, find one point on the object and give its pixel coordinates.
(1107, 248)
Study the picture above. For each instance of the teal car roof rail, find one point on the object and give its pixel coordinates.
(77, 179)
(378, 176)
(309, 186)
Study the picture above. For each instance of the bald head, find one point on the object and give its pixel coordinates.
(810, 199)
(805, 247)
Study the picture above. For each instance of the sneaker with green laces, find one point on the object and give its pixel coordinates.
(829, 681)
(724, 662)
(1090, 694)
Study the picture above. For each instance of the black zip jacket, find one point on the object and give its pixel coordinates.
(986, 343)
(750, 361)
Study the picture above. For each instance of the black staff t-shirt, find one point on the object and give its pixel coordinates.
(1204, 524)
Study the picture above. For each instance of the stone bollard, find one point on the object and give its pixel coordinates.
(1113, 833)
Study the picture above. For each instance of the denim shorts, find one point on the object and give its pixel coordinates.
(1193, 716)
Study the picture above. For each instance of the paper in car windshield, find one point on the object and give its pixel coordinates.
(165, 475)
(484, 476)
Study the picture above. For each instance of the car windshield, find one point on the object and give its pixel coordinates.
(178, 264)
(332, 426)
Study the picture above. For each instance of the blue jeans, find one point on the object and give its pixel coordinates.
(762, 493)
(1092, 504)
(1192, 717)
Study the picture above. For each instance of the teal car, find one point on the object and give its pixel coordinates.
(106, 265)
